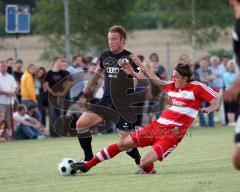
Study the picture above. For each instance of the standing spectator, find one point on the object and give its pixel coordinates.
(231, 107)
(41, 93)
(8, 91)
(76, 71)
(86, 61)
(206, 76)
(28, 89)
(224, 61)
(17, 73)
(98, 87)
(54, 85)
(218, 84)
(159, 69)
(10, 64)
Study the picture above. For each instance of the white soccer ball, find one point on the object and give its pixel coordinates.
(64, 167)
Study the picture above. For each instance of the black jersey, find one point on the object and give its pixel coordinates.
(109, 63)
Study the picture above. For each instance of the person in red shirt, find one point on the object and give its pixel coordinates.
(164, 134)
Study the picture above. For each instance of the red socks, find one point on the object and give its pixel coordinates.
(149, 168)
(106, 153)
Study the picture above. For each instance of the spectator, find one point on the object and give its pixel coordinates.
(206, 76)
(26, 126)
(224, 61)
(77, 73)
(56, 83)
(231, 107)
(5, 132)
(28, 89)
(8, 91)
(159, 69)
(86, 61)
(41, 93)
(17, 73)
(98, 86)
(218, 84)
(10, 64)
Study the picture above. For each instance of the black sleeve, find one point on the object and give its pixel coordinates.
(236, 41)
(135, 67)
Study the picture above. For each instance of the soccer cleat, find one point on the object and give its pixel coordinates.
(80, 166)
(140, 171)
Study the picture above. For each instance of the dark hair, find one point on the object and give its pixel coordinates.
(29, 66)
(44, 73)
(75, 57)
(141, 57)
(9, 59)
(20, 107)
(119, 29)
(154, 55)
(19, 61)
(56, 58)
(184, 67)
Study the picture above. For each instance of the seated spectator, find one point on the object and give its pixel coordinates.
(26, 127)
(5, 132)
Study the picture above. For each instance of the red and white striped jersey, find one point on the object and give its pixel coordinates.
(184, 103)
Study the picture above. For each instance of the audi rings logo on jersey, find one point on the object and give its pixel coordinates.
(112, 70)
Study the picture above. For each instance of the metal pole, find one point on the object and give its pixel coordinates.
(168, 59)
(193, 27)
(67, 30)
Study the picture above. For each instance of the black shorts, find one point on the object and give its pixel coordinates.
(105, 108)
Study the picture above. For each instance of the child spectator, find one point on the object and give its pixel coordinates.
(5, 132)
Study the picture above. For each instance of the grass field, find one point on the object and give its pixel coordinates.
(200, 163)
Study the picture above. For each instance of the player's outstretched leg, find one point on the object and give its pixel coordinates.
(108, 153)
(133, 152)
(83, 124)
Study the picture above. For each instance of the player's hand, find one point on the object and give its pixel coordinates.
(205, 110)
(127, 68)
(88, 91)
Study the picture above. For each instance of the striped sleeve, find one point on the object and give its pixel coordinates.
(206, 93)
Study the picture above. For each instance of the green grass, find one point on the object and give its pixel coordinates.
(200, 163)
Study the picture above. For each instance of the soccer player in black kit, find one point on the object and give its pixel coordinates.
(233, 92)
(109, 64)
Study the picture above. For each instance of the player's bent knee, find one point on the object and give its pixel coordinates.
(81, 125)
(125, 144)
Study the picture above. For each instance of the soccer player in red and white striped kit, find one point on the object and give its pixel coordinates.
(164, 134)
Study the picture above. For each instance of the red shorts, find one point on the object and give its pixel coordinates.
(162, 139)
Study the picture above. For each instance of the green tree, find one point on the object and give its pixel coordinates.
(203, 20)
(89, 22)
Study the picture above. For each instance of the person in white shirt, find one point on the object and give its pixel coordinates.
(8, 90)
(27, 127)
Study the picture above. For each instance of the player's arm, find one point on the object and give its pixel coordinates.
(214, 105)
(96, 76)
(147, 72)
(46, 87)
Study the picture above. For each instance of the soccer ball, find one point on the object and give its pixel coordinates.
(64, 167)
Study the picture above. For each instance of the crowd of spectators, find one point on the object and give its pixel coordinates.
(28, 97)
